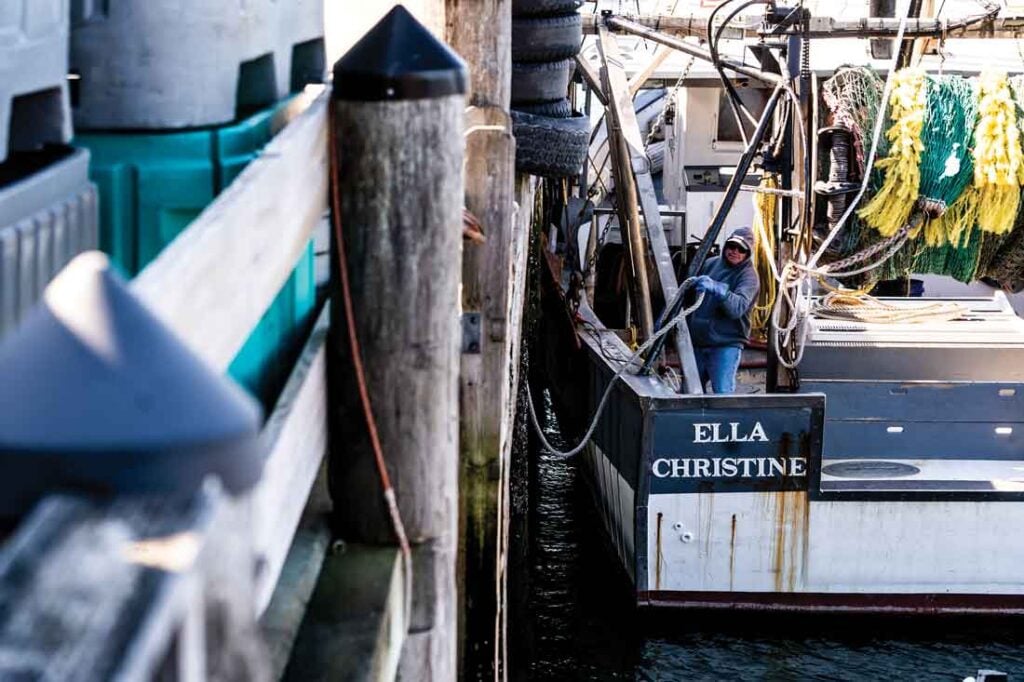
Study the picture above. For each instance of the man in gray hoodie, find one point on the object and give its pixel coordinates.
(721, 325)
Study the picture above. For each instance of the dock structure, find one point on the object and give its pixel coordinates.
(209, 288)
(308, 573)
(493, 292)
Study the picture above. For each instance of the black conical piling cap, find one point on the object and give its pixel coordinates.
(398, 59)
(98, 396)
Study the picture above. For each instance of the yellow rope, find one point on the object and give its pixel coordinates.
(765, 206)
(890, 208)
(956, 224)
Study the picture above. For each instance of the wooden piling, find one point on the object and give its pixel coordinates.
(481, 32)
(398, 116)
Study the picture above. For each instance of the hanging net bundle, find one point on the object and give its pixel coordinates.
(891, 206)
(947, 166)
(1002, 256)
(952, 155)
(962, 242)
(853, 94)
(947, 169)
(998, 160)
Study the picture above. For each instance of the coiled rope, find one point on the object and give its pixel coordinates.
(860, 307)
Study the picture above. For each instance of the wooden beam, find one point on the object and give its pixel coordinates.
(295, 438)
(638, 80)
(621, 108)
(400, 199)
(613, 80)
(485, 383)
(355, 625)
(281, 621)
(592, 79)
(214, 282)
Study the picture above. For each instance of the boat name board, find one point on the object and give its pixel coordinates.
(729, 467)
(696, 452)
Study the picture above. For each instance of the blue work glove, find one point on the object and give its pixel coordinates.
(713, 287)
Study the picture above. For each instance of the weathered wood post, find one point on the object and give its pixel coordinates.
(492, 271)
(399, 96)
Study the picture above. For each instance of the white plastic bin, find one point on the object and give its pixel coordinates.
(181, 63)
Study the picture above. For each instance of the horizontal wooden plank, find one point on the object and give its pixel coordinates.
(215, 281)
(355, 627)
(295, 438)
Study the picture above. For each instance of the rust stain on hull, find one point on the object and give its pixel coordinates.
(732, 552)
(790, 512)
(657, 555)
(789, 539)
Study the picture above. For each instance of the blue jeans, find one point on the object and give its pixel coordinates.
(718, 364)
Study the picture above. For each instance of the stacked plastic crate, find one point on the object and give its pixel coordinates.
(47, 204)
(173, 98)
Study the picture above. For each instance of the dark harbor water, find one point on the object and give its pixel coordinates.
(581, 625)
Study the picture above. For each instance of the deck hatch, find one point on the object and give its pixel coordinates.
(870, 469)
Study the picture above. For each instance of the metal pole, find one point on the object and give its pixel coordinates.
(627, 26)
(907, 48)
(881, 48)
(718, 221)
(984, 25)
(734, 184)
(626, 191)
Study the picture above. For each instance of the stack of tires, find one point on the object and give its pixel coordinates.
(551, 139)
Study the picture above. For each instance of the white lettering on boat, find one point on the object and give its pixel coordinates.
(715, 432)
(729, 467)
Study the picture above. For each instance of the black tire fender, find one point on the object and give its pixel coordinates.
(540, 81)
(550, 147)
(532, 8)
(558, 109)
(545, 39)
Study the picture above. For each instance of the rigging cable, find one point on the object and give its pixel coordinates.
(665, 329)
(794, 284)
(735, 102)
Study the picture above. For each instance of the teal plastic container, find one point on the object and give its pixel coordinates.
(266, 360)
(153, 184)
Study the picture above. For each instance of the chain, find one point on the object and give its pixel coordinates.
(898, 238)
(669, 99)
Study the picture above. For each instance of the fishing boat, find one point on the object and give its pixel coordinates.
(874, 459)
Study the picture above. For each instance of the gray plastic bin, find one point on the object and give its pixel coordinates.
(46, 219)
(172, 64)
(33, 74)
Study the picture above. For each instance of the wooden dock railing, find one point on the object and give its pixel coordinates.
(172, 588)
(134, 587)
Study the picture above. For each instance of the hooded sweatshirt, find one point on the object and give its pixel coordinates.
(726, 321)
